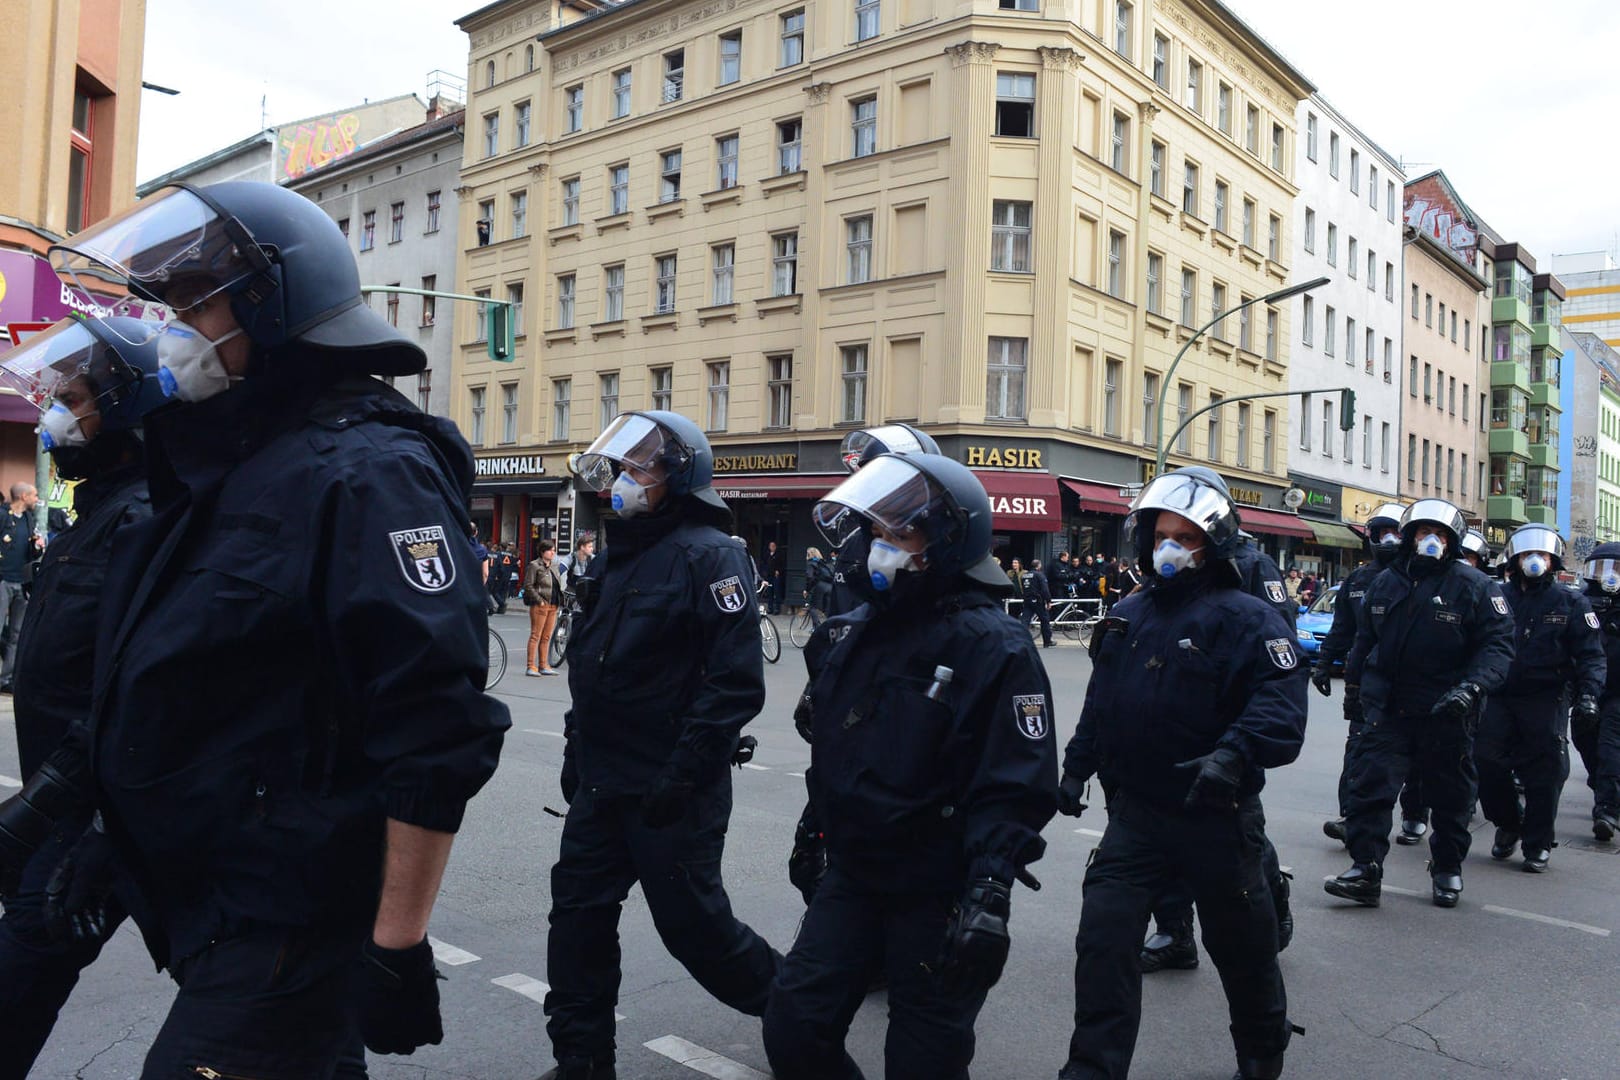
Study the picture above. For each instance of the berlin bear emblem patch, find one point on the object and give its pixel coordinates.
(424, 558)
(1030, 712)
(1282, 653)
(1591, 620)
(1274, 590)
(1499, 604)
(729, 595)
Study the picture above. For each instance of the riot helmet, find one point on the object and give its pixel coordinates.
(1533, 550)
(1191, 493)
(860, 447)
(646, 441)
(1602, 567)
(1438, 514)
(1475, 549)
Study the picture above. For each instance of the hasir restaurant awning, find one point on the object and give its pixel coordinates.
(1022, 501)
(780, 486)
(1106, 499)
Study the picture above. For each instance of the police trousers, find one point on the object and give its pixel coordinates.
(605, 850)
(1600, 753)
(1174, 908)
(850, 934)
(1523, 735)
(1442, 751)
(1413, 808)
(1144, 847)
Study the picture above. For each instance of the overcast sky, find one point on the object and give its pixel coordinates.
(1507, 99)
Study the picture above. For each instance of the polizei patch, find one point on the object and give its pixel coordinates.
(1274, 590)
(424, 558)
(1591, 620)
(1030, 712)
(1282, 653)
(729, 595)
(1499, 604)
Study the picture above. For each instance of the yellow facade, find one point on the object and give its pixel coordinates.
(936, 80)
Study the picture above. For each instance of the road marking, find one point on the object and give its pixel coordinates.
(537, 731)
(756, 768)
(451, 956)
(1547, 919)
(1090, 832)
(530, 987)
(1404, 892)
(6, 781)
(800, 775)
(698, 1059)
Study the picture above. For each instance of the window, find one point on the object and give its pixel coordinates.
(1372, 270)
(1189, 296)
(1310, 136)
(789, 134)
(1327, 429)
(1333, 154)
(730, 57)
(1217, 306)
(396, 222)
(1389, 200)
(1349, 341)
(852, 368)
(779, 381)
(1428, 309)
(1015, 105)
(863, 125)
(1189, 190)
(1221, 193)
(576, 110)
(621, 93)
(424, 390)
(1468, 332)
(1348, 451)
(619, 189)
(1245, 324)
(1194, 96)
(858, 249)
(430, 304)
(514, 298)
(1451, 394)
(1333, 244)
(1368, 352)
(391, 307)
(570, 202)
(725, 153)
(1150, 403)
(1307, 330)
(520, 210)
(1215, 428)
(1465, 396)
(1116, 263)
(509, 412)
(489, 74)
(368, 230)
(1271, 333)
(1183, 409)
(1411, 459)
(1350, 262)
(1155, 278)
(674, 75)
(724, 261)
(1122, 28)
(80, 157)
(492, 134)
(1442, 316)
(1223, 108)
(1411, 377)
(1428, 384)
(562, 392)
(613, 293)
(1383, 447)
(343, 227)
(573, 113)
(481, 317)
(1355, 172)
(1156, 169)
(719, 394)
(664, 297)
(669, 176)
(1004, 397)
(1414, 301)
(485, 222)
(1454, 327)
(785, 264)
(1372, 188)
(609, 387)
(476, 407)
(1010, 237)
(1113, 372)
(1251, 130)
(1243, 415)
(528, 59)
(432, 213)
(565, 301)
(792, 38)
(1121, 143)
(1389, 281)
(663, 387)
(1465, 476)
(1329, 330)
(1268, 449)
(1425, 462)
(1161, 50)
(1274, 238)
(1310, 229)
(1249, 211)
(867, 19)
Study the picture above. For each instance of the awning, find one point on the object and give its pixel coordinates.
(496, 485)
(1274, 523)
(778, 486)
(1098, 498)
(1022, 501)
(1329, 534)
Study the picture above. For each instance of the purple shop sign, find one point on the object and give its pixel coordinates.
(30, 291)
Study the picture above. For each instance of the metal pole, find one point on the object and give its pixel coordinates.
(1251, 397)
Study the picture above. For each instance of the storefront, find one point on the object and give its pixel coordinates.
(1333, 549)
(517, 500)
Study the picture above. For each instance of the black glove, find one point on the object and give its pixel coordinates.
(803, 716)
(569, 781)
(79, 903)
(1584, 716)
(1069, 795)
(399, 1000)
(1322, 679)
(26, 819)
(745, 751)
(1218, 775)
(807, 864)
(976, 940)
(666, 803)
(1459, 702)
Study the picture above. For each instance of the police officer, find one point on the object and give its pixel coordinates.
(1194, 694)
(1384, 536)
(93, 390)
(1476, 551)
(935, 769)
(665, 669)
(1557, 644)
(289, 716)
(1434, 638)
(1599, 741)
(1038, 601)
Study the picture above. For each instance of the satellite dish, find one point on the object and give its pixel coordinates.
(1294, 498)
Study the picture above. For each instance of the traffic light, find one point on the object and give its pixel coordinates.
(1347, 410)
(500, 331)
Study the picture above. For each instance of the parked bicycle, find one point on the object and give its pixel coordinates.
(804, 625)
(497, 659)
(565, 626)
(769, 641)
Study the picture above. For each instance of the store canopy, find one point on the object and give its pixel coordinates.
(1275, 523)
(1329, 534)
(778, 486)
(1099, 498)
(1022, 501)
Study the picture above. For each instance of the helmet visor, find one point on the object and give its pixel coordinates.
(865, 444)
(1194, 499)
(56, 365)
(1602, 570)
(1435, 512)
(887, 491)
(632, 439)
(1534, 538)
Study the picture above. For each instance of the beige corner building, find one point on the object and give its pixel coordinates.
(998, 221)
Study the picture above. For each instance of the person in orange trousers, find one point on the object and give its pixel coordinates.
(543, 590)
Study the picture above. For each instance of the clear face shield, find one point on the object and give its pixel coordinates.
(1194, 499)
(631, 440)
(1606, 572)
(55, 371)
(886, 491)
(867, 443)
(1534, 538)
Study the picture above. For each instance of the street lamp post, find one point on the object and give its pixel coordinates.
(1164, 389)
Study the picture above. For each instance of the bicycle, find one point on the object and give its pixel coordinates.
(804, 625)
(565, 626)
(769, 641)
(497, 659)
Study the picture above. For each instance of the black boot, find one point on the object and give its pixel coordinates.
(1535, 860)
(1412, 831)
(1285, 915)
(1362, 883)
(1334, 830)
(1172, 948)
(1605, 823)
(1259, 1068)
(581, 1069)
(1447, 886)
(1506, 841)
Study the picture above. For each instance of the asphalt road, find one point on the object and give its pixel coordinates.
(1520, 981)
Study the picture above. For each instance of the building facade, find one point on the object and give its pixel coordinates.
(1347, 227)
(995, 224)
(1589, 496)
(1591, 294)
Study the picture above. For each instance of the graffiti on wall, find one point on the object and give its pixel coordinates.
(1586, 446)
(1437, 222)
(306, 146)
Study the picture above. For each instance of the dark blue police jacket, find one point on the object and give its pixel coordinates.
(1606, 608)
(1557, 641)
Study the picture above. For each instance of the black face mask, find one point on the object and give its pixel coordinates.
(103, 453)
(1384, 554)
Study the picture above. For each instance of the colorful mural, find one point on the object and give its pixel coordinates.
(313, 143)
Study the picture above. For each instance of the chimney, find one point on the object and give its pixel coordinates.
(437, 108)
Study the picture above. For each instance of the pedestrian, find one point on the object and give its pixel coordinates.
(1292, 585)
(289, 716)
(1307, 590)
(1434, 638)
(482, 557)
(1558, 643)
(1059, 579)
(664, 671)
(543, 591)
(1015, 576)
(573, 566)
(1599, 741)
(1086, 579)
(818, 584)
(1195, 692)
(93, 388)
(934, 769)
(773, 568)
(19, 543)
(1038, 601)
(500, 580)
(1128, 576)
